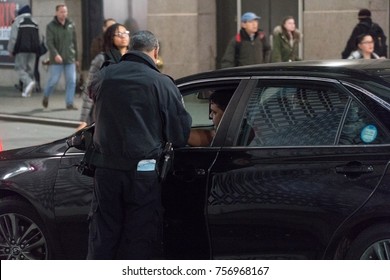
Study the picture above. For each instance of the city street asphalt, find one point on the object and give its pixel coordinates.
(14, 107)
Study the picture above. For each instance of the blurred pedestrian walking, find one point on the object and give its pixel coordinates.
(62, 44)
(285, 41)
(98, 42)
(24, 45)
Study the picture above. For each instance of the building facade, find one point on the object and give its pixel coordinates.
(194, 33)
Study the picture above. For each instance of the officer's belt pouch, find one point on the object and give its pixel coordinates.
(165, 161)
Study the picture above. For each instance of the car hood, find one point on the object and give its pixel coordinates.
(55, 148)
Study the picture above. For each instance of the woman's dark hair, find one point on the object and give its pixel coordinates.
(108, 38)
(360, 38)
(221, 98)
(284, 21)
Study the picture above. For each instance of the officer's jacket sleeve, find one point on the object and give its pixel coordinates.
(176, 120)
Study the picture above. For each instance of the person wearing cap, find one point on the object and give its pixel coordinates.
(366, 26)
(249, 46)
(24, 45)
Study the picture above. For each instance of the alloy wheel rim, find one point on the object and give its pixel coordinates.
(379, 250)
(21, 238)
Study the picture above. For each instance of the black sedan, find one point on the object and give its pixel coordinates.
(298, 169)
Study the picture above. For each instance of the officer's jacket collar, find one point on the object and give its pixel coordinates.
(139, 57)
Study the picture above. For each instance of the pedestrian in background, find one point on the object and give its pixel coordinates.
(116, 41)
(138, 110)
(366, 26)
(62, 44)
(285, 41)
(98, 42)
(24, 45)
(364, 48)
(249, 46)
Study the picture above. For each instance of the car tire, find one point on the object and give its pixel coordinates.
(22, 233)
(371, 244)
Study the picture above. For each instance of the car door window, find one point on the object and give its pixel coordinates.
(196, 100)
(197, 105)
(360, 128)
(293, 114)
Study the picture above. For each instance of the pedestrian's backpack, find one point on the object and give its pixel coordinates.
(379, 39)
(261, 36)
(28, 37)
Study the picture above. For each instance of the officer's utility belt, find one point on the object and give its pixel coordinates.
(92, 159)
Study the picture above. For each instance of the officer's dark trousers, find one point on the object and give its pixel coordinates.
(126, 215)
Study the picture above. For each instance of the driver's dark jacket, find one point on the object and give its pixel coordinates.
(137, 109)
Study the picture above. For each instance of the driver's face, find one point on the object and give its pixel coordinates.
(216, 114)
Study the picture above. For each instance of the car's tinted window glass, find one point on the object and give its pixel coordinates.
(378, 108)
(361, 129)
(292, 115)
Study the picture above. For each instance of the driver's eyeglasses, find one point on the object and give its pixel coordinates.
(122, 34)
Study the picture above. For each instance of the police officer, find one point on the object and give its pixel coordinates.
(137, 110)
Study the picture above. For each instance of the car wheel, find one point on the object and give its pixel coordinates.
(372, 244)
(21, 232)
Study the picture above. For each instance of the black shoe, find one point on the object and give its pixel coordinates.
(71, 107)
(45, 102)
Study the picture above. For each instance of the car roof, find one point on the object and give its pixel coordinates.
(324, 68)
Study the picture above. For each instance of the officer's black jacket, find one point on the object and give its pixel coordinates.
(137, 109)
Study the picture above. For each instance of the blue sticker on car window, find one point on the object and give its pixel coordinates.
(369, 133)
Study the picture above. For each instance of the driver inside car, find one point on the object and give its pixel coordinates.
(200, 137)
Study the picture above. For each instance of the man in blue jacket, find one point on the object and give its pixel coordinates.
(137, 111)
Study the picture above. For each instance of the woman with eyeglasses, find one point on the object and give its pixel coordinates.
(365, 48)
(116, 40)
(116, 43)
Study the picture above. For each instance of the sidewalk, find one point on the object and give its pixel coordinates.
(13, 107)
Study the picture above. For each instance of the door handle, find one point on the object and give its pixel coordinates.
(190, 173)
(354, 169)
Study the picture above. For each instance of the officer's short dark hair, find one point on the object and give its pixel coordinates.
(143, 41)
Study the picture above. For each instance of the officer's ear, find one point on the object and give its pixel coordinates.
(155, 53)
